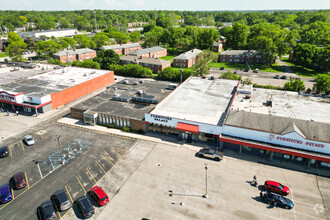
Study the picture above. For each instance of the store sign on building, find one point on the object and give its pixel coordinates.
(161, 118)
(294, 141)
(7, 97)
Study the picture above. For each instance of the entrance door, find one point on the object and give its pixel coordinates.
(189, 138)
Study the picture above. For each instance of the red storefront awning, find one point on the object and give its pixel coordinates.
(187, 127)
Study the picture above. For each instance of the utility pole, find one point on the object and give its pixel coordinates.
(58, 141)
(206, 195)
(94, 12)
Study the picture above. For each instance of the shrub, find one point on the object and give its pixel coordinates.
(126, 129)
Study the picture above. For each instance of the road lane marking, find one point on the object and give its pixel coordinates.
(116, 151)
(108, 159)
(69, 195)
(66, 212)
(22, 144)
(91, 174)
(10, 152)
(27, 182)
(39, 171)
(100, 166)
(81, 184)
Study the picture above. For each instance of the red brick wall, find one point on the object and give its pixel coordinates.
(75, 92)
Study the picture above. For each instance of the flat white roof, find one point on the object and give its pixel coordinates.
(285, 104)
(197, 99)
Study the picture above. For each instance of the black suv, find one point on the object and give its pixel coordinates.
(4, 151)
(46, 210)
(276, 200)
(85, 207)
(61, 200)
(222, 68)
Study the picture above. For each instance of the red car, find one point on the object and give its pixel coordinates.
(19, 180)
(276, 188)
(99, 195)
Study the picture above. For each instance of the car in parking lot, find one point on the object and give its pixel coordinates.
(29, 140)
(46, 210)
(5, 193)
(246, 70)
(283, 77)
(277, 200)
(209, 153)
(19, 180)
(99, 195)
(277, 77)
(256, 71)
(85, 207)
(4, 151)
(222, 68)
(276, 187)
(61, 200)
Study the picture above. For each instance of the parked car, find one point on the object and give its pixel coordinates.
(277, 77)
(99, 195)
(256, 71)
(46, 210)
(85, 207)
(61, 200)
(29, 140)
(246, 70)
(209, 153)
(4, 151)
(222, 68)
(277, 200)
(276, 188)
(19, 180)
(283, 77)
(5, 193)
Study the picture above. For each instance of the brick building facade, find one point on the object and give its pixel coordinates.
(67, 56)
(242, 56)
(156, 65)
(123, 48)
(187, 59)
(152, 52)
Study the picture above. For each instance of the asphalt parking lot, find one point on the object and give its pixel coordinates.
(170, 184)
(88, 156)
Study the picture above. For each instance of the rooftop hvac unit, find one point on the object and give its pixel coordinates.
(141, 81)
(125, 82)
(116, 95)
(139, 92)
(136, 83)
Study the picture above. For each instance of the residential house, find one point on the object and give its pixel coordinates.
(152, 52)
(123, 48)
(217, 46)
(242, 56)
(156, 65)
(67, 56)
(187, 59)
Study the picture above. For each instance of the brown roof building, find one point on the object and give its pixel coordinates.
(187, 59)
(123, 48)
(155, 64)
(67, 56)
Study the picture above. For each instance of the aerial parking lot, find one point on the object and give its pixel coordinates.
(170, 184)
(85, 158)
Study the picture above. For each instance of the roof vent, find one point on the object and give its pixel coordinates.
(141, 81)
(136, 83)
(85, 74)
(125, 82)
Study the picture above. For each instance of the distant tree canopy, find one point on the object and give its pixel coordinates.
(16, 46)
(106, 58)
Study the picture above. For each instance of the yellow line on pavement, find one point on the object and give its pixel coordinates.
(105, 173)
(22, 144)
(108, 159)
(27, 182)
(69, 195)
(10, 152)
(116, 152)
(66, 212)
(90, 174)
(59, 214)
(100, 166)
(12, 192)
(81, 185)
(41, 137)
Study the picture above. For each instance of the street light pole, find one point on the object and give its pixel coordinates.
(58, 141)
(206, 195)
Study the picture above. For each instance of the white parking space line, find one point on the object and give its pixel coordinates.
(305, 203)
(310, 216)
(318, 196)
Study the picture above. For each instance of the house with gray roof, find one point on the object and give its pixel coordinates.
(187, 59)
(242, 56)
(152, 52)
(155, 64)
(66, 56)
(123, 48)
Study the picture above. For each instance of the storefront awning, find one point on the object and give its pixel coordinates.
(187, 127)
(279, 149)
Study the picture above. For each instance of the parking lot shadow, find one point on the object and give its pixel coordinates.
(76, 211)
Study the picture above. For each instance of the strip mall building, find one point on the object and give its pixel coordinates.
(41, 90)
(273, 123)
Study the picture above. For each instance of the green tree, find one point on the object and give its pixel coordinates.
(305, 54)
(294, 85)
(135, 36)
(317, 33)
(23, 19)
(100, 39)
(106, 58)
(322, 83)
(207, 37)
(164, 22)
(190, 20)
(173, 74)
(154, 37)
(121, 38)
(16, 46)
(236, 36)
(230, 75)
(86, 64)
(47, 47)
(84, 41)
(202, 61)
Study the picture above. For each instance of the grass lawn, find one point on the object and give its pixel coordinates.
(169, 57)
(241, 66)
(302, 71)
(3, 55)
